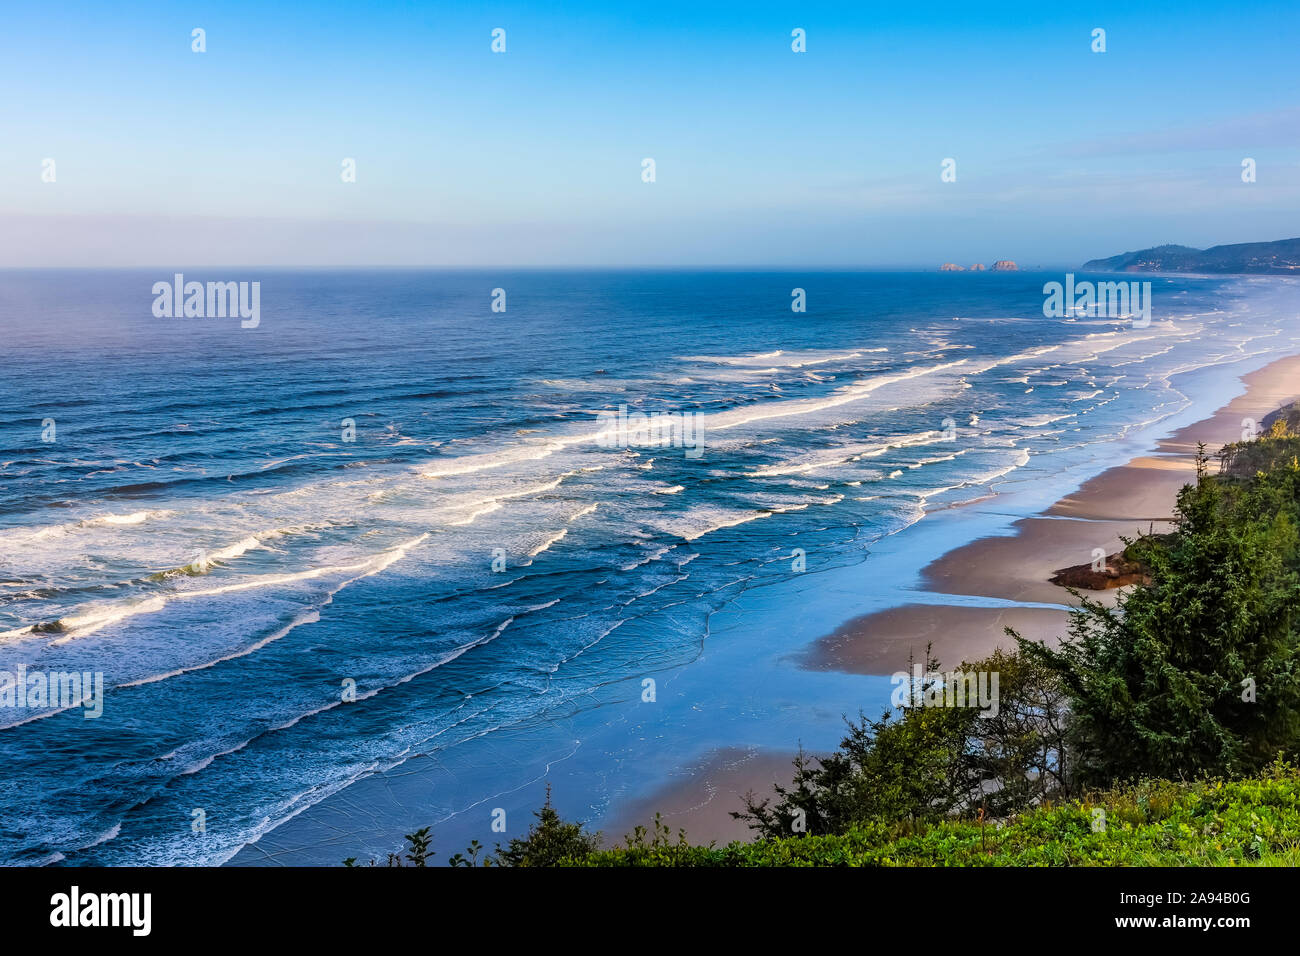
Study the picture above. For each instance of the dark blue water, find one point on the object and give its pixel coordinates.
(278, 612)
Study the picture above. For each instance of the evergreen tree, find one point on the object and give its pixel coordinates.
(549, 841)
(1199, 673)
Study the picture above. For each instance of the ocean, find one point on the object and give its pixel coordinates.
(381, 561)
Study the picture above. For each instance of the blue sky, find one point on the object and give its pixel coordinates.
(533, 157)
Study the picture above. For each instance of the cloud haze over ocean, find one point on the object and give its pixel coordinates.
(532, 157)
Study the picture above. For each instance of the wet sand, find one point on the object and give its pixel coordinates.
(701, 802)
(886, 642)
(1124, 501)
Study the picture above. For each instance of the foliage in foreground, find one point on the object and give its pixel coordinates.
(919, 764)
(1252, 822)
(1278, 446)
(1198, 673)
(549, 841)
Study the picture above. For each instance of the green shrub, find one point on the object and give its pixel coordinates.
(1197, 673)
(1154, 823)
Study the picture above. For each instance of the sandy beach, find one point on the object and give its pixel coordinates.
(702, 801)
(1124, 501)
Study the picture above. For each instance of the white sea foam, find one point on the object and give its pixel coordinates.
(17, 536)
(96, 618)
(804, 406)
(546, 544)
(846, 455)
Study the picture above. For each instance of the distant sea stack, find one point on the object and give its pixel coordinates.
(1002, 265)
(1268, 258)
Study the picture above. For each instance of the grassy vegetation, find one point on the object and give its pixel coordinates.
(1252, 822)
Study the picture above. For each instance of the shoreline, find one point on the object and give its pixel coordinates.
(1124, 500)
(728, 719)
